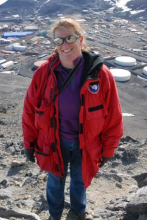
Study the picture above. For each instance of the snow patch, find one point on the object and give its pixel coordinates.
(128, 114)
(122, 4)
(42, 5)
(136, 12)
(3, 1)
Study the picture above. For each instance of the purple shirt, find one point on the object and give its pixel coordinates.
(69, 102)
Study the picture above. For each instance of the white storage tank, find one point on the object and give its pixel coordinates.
(145, 70)
(125, 61)
(7, 64)
(39, 63)
(120, 75)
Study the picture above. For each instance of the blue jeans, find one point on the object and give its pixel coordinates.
(55, 190)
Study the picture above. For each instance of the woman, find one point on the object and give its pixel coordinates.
(78, 122)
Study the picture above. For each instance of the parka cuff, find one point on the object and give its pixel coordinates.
(108, 153)
(29, 145)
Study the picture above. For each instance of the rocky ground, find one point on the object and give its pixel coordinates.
(117, 192)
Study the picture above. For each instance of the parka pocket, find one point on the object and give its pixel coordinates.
(43, 156)
(94, 121)
(96, 112)
(42, 118)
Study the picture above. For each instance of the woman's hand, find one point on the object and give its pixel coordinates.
(29, 153)
(105, 160)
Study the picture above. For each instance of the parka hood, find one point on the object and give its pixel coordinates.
(92, 62)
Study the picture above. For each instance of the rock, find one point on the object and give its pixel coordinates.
(109, 176)
(119, 204)
(1, 136)
(134, 189)
(138, 202)
(141, 179)
(42, 177)
(16, 163)
(115, 164)
(130, 156)
(29, 173)
(117, 156)
(3, 183)
(19, 213)
(118, 185)
(2, 122)
(103, 213)
(142, 217)
(113, 170)
(5, 194)
(3, 110)
(27, 197)
(116, 177)
(7, 145)
(26, 203)
(128, 139)
(16, 183)
(43, 198)
(28, 181)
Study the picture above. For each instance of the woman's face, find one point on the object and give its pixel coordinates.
(68, 52)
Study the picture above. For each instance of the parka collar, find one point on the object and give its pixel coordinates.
(92, 62)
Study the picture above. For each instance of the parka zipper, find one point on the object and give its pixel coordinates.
(55, 127)
(89, 77)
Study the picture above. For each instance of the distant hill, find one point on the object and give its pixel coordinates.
(136, 8)
(18, 4)
(139, 5)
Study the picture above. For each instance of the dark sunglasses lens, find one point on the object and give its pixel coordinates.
(71, 39)
(58, 41)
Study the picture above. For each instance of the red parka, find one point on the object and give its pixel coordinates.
(100, 117)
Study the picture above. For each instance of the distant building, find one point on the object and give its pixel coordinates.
(5, 27)
(7, 52)
(31, 28)
(4, 41)
(85, 11)
(17, 29)
(43, 33)
(18, 34)
(109, 19)
(16, 47)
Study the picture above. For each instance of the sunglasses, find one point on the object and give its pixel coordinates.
(70, 39)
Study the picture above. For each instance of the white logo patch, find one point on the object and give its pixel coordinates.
(94, 88)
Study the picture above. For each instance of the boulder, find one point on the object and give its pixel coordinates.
(141, 179)
(18, 213)
(138, 202)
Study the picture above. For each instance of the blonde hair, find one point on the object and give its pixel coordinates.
(69, 23)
